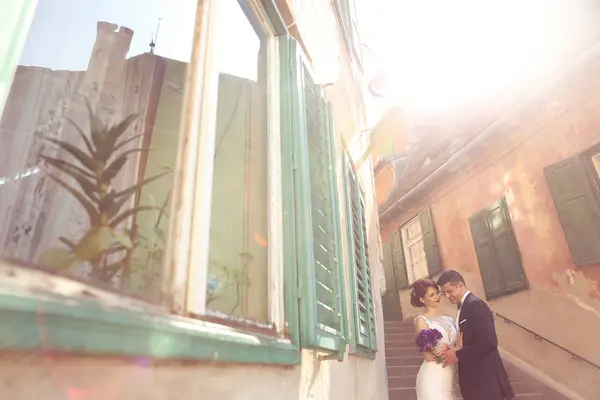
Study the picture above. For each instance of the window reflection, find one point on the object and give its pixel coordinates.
(239, 234)
(89, 137)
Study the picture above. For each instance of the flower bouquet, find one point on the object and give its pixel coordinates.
(427, 340)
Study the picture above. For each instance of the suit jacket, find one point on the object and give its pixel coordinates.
(481, 373)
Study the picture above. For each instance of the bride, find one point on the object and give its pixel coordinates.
(434, 381)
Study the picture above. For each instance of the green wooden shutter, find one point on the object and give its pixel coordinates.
(398, 260)
(15, 19)
(316, 209)
(507, 249)
(388, 266)
(486, 255)
(290, 129)
(577, 208)
(364, 327)
(434, 263)
(391, 298)
(497, 251)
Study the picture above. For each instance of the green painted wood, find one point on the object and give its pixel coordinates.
(486, 255)
(398, 260)
(15, 19)
(497, 251)
(434, 262)
(578, 208)
(390, 300)
(321, 301)
(364, 336)
(507, 248)
(51, 323)
(289, 130)
(274, 16)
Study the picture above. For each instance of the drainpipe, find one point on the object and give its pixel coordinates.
(487, 132)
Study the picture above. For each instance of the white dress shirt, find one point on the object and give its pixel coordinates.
(461, 304)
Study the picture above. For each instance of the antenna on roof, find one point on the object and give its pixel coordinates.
(154, 39)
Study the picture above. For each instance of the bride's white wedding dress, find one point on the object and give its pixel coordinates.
(434, 382)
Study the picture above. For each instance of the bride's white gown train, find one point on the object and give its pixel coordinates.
(434, 382)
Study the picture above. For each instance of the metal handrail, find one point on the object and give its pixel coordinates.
(543, 339)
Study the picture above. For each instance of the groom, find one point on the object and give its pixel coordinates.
(481, 374)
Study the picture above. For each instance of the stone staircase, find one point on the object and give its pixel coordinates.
(403, 362)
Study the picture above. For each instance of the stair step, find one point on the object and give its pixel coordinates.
(404, 360)
(402, 351)
(402, 371)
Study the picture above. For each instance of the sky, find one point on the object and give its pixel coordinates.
(63, 32)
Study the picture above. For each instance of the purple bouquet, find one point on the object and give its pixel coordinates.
(428, 339)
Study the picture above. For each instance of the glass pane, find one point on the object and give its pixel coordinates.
(596, 164)
(239, 237)
(89, 137)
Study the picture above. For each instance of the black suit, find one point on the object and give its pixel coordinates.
(481, 373)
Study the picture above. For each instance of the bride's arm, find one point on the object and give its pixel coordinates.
(420, 324)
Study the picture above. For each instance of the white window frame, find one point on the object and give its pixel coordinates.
(190, 262)
(407, 243)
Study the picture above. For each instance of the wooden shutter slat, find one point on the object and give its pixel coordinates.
(398, 261)
(434, 263)
(364, 329)
(577, 207)
(486, 255)
(506, 247)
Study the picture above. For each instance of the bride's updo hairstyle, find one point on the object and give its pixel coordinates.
(419, 288)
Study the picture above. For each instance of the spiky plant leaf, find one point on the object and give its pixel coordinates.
(113, 169)
(97, 128)
(116, 131)
(66, 167)
(91, 190)
(115, 249)
(86, 141)
(67, 242)
(134, 188)
(84, 159)
(126, 141)
(120, 198)
(128, 213)
(90, 209)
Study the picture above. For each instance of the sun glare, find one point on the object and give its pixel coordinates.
(444, 53)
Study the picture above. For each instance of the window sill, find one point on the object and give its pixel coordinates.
(362, 353)
(41, 321)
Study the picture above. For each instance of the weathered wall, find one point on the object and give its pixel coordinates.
(563, 301)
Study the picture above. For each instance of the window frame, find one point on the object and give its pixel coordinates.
(76, 317)
(430, 247)
(197, 269)
(356, 348)
(407, 243)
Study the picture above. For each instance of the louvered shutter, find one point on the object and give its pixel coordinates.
(497, 251)
(316, 202)
(577, 207)
(361, 286)
(434, 263)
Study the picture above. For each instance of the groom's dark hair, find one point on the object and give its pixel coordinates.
(451, 276)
